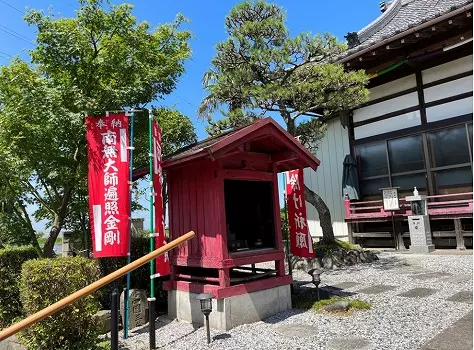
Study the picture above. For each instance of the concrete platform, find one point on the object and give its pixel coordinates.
(230, 312)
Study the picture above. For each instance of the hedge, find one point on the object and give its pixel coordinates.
(43, 282)
(11, 260)
(139, 279)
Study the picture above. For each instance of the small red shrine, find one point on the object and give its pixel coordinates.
(225, 188)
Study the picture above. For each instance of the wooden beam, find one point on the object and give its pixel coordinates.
(284, 156)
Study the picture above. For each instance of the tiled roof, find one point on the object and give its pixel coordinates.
(400, 16)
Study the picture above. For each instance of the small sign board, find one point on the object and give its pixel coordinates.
(390, 198)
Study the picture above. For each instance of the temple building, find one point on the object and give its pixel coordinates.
(415, 130)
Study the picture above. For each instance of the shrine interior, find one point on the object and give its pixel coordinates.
(249, 211)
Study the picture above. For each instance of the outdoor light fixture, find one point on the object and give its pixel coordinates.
(206, 309)
(316, 278)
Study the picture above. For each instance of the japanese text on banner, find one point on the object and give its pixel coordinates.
(108, 173)
(162, 262)
(301, 242)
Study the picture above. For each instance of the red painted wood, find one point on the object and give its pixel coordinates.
(251, 257)
(451, 208)
(224, 278)
(280, 267)
(264, 127)
(221, 244)
(198, 278)
(247, 175)
(228, 292)
(276, 211)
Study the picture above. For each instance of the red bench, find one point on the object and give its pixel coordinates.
(455, 206)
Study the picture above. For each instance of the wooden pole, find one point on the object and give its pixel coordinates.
(91, 288)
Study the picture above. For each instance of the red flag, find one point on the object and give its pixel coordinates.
(108, 175)
(162, 262)
(300, 238)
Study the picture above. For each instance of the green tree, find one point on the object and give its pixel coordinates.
(102, 59)
(260, 69)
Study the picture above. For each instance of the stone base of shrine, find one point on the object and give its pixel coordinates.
(232, 311)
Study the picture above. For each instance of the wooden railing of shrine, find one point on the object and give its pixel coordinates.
(91, 288)
(446, 206)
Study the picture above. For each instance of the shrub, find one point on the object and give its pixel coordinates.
(43, 282)
(139, 279)
(11, 260)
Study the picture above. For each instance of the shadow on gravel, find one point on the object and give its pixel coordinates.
(222, 336)
(385, 263)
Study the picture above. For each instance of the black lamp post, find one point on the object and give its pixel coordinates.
(316, 278)
(206, 309)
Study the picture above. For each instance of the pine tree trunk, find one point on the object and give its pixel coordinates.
(324, 215)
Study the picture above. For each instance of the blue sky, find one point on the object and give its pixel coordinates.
(207, 25)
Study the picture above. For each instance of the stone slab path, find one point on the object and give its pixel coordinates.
(456, 337)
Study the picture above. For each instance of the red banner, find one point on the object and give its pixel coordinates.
(108, 176)
(162, 262)
(300, 238)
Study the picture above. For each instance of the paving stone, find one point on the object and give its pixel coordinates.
(296, 330)
(458, 336)
(457, 279)
(409, 270)
(430, 275)
(463, 296)
(349, 343)
(345, 285)
(377, 289)
(418, 293)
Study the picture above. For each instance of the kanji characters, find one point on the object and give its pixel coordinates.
(295, 182)
(296, 200)
(109, 138)
(109, 152)
(111, 208)
(301, 240)
(300, 221)
(100, 124)
(110, 165)
(110, 179)
(111, 194)
(111, 237)
(111, 223)
(116, 123)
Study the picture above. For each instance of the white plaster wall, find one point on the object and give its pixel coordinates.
(392, 105)
(449, 110)
(448, 69)
(392, 87)
(403, 121)
(452, 88)
(327, 180)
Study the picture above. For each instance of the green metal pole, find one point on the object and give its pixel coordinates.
(151, 299)
(127, 291)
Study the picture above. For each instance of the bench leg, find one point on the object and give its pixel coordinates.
(349, 233)
(459, 237)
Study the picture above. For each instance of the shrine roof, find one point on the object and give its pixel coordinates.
(400, 16)
(271, 137)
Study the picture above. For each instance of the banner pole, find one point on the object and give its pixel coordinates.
(127, 290)
(151, 299)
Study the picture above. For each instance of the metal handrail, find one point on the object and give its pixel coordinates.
(91, 288)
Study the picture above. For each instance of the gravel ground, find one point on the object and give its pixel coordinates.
(394, 322)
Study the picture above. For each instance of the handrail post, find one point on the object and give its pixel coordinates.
(114, 321)
(347, 206)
